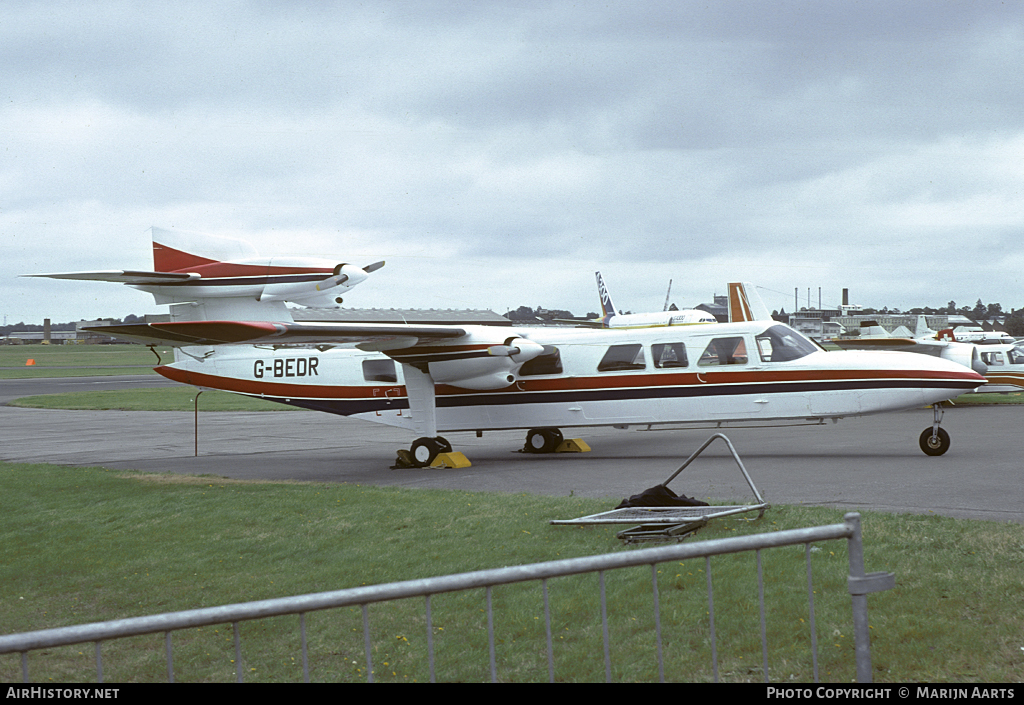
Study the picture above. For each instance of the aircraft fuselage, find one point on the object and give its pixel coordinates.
(738, 372)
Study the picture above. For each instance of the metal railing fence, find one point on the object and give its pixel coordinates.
(859, 585)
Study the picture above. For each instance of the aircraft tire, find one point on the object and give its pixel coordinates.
(934, 445)
(424, 450)
(542, 440)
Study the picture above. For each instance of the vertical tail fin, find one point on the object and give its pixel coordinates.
(175, 250)
(607, 307)
(745, 304)
(922, 329)
(871, 329)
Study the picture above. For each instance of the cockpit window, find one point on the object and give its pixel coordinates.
(724, 351)
(782, 344)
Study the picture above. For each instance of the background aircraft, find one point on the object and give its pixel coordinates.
(1005, 367)
(874, 337)
(612, 319)
(229, 278)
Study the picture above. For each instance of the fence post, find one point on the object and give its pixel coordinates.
(860, 585)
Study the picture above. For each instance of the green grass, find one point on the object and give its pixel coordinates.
(986, 398)
(87, 544)
(77, 360)
(177, 398)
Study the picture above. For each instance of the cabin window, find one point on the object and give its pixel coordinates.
(669, 355)
(1016, 356)
(781, 344)
(548, 362)
(992, 358)
(380, 371)
(623, 357)
(724, 351)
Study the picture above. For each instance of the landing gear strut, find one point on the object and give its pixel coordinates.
(935, 440)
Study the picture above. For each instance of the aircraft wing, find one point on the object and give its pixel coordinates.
(366, 336)
(122, 276)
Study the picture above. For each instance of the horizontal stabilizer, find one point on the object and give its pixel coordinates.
(122, 276)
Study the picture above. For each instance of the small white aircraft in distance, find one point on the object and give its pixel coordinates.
(612, 319)
(978, 337)
(433, 378)
(230, 278)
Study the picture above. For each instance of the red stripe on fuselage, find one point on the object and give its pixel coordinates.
(711, 380)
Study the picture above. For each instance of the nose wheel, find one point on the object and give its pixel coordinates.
(934, 443)
(935, 440)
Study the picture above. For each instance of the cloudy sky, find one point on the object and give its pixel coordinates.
(497, 154)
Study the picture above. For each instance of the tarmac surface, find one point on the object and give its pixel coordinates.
(868, 463)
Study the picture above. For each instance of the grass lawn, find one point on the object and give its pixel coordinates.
(176, 398)
(77, 360)
(987, 398)
(87, 544)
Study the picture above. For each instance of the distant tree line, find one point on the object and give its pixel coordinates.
(525, 313)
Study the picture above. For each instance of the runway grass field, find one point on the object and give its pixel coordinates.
(87, 544)
(176, 398)
(32, 361)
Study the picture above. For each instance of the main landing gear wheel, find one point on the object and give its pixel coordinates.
(542, 440)
(935, 443)
(425, 450)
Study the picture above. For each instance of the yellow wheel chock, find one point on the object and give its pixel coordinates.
(573, 445)
(453, 459)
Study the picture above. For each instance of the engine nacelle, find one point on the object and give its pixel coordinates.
(964, 354)
(495, 370)
(323, 293)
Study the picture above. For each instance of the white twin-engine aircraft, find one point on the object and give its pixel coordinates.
(230, 278)
(440, 378)
(238, 336)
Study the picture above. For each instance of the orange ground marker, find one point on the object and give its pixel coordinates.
(30, 362)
